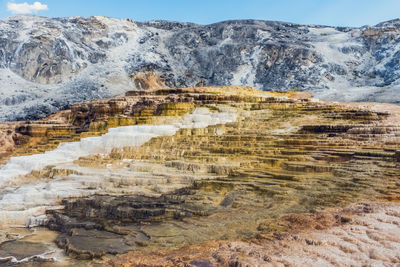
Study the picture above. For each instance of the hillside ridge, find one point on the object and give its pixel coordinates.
(48, 64)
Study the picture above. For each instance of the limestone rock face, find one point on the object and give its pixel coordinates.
(47, 64)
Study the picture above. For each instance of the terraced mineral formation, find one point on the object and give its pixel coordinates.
(156, 170)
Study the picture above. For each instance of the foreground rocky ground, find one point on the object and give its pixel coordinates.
(203, 176)
(360, 235)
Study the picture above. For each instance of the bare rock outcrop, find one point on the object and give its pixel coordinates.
(48, 64)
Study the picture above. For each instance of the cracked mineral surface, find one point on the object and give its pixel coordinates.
(205, 176)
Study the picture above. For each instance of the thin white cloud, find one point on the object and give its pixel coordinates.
(25, 8)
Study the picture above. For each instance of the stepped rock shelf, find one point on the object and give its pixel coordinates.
(198, 177)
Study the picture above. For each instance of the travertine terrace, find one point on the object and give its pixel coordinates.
(210, 169)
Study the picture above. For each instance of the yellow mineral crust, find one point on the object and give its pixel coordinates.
(284, 161)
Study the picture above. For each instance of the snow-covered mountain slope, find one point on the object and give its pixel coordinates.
(46, 64)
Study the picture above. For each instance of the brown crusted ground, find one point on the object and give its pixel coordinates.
(361, 235)
(7, 142)
(148, 80)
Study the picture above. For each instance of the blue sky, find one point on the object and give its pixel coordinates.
(326, 12)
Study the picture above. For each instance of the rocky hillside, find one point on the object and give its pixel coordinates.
(47, 64)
